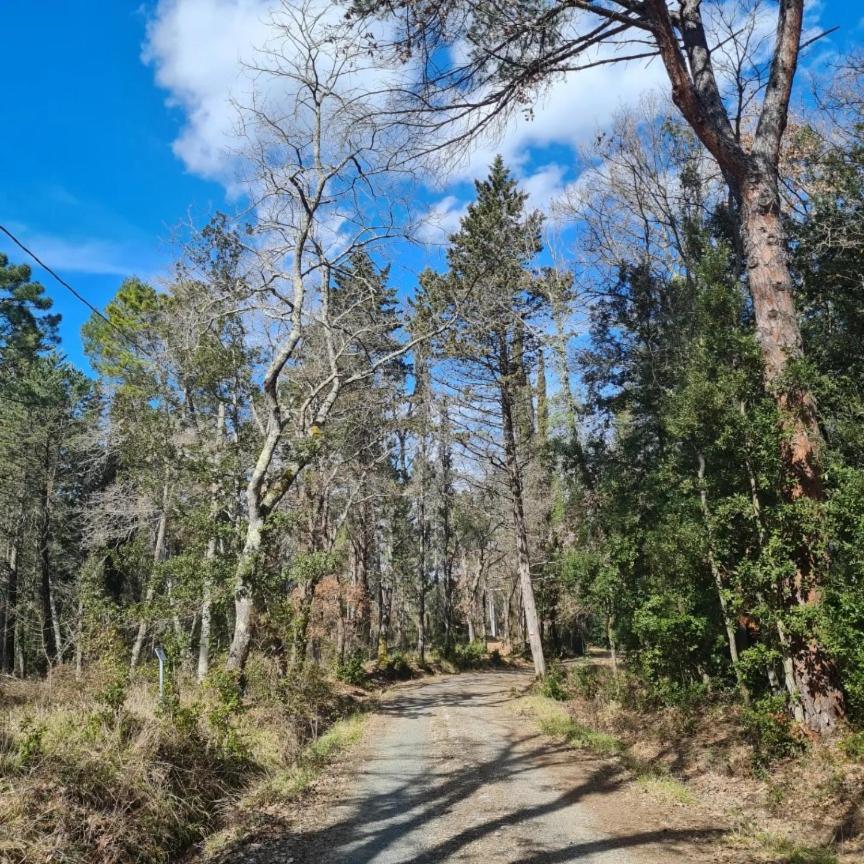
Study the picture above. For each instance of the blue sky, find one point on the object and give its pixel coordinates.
(116, 115)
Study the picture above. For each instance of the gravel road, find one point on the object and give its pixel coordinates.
(449, 771)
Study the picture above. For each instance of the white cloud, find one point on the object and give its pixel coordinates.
(441, 220)
(198, 49)
(544, 185)
(568, 114)
(205, 53)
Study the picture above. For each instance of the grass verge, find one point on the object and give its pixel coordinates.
(556, 722)
(284, 786)
(788, 852)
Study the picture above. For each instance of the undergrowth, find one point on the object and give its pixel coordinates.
(120, 777)
(756, 754)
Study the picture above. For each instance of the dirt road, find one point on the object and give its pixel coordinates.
(449, 771)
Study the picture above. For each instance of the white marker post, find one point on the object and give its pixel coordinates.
(160, 654)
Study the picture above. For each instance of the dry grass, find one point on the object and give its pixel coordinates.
(85, 781)
(704, 757)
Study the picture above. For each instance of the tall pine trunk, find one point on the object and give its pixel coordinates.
(771, 288)
(520, 525)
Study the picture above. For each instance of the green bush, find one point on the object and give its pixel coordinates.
(469, 656)
(112, 694)
(224, 709)
(853, 746)
(771, 733)
(308, 703)
(585, 681)
(553, 684)
(30, 744)
(351, 669)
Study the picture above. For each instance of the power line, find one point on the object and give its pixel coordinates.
(77, 295)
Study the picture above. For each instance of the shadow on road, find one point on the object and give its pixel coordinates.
(395, 825)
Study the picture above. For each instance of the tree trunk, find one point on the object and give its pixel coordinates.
(79, 640)
(158, 554)
(771, 288)
(301, 625)
(341, 620)
(520, 525)
(50, 642)
(243, 602)
(610, 637)
(728, 621)
(421, 625)
(10, 620)
(206, 618)
(210, 556)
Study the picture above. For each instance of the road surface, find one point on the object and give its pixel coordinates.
(449, 771)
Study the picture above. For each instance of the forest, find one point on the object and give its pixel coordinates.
(629, 422)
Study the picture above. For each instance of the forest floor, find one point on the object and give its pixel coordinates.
(453, 768)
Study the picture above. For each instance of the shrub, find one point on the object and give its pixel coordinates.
(351, 669)
(469, 656)
(553, 684)
(30, 744)
(771, 733)
(396, 667)
(224, 708)
(853, 746)
(585, 681)
(140, 791)
(308, 703)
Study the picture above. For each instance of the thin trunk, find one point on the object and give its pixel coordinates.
(206, 619)
(210, 558)
(446, 506)
(55, 624)
(243, 603)
(610, 637)
(728, 620)
(400, 627)
(341, 624)
(301, 624)
(10, 620)
(158, 555)
(19, 648)
(421, 625)
(79, 640)
(422, 563)
(50, 641)
(385, 597)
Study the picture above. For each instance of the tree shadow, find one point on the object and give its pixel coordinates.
(395, 814)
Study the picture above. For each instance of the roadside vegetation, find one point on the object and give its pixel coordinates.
(98, 764)
(744, 765)
(300, 468)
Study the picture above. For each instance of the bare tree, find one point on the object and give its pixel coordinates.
(318, 160)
